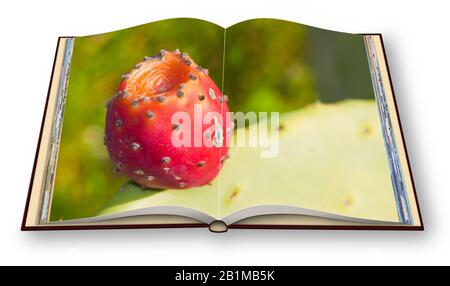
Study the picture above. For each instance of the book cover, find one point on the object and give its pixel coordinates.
(183, 123)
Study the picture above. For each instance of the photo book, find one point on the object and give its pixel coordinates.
(264, 124)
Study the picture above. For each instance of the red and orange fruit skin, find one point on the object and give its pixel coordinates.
(138, 131)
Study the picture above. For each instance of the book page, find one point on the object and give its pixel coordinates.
(310, 133)
(115, 153)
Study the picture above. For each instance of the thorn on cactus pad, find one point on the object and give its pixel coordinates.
(135, 146)
(139, 172)
(177, 178)
(348, 201)
(162, 52)
(182, 185)
(134, 103)
(161, 98)
(192, 76)
(150, 178)
(201, 164)
(234, 193)
(206, 71)
(166, 169)
(177, 51)
(165, 160)
(118, 123)
(201, 97)
(125, 76)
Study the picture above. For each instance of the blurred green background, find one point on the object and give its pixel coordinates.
(270, 65)
(274, 65)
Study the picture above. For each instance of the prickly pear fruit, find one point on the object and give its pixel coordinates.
(140, 124)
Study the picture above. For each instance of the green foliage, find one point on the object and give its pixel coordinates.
(266, 69)
(274, 65)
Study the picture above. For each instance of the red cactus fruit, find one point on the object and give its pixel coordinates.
(140, 127)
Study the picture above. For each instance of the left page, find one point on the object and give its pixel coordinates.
(142, 75)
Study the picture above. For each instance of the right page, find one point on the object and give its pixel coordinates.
(307, 131)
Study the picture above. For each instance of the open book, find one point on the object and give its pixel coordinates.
(183, 123)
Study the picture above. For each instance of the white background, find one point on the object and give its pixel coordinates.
(417, 41)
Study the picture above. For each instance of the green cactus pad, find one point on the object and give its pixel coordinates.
(331, 158)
